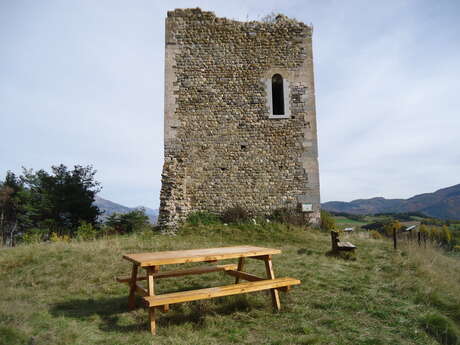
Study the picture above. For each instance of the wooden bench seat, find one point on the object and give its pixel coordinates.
(194, 295)
(345, 246)
(340, 246)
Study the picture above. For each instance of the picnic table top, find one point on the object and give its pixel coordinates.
(197, 255)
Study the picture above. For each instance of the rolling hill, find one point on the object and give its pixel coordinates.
(443, 204)
(110, 207)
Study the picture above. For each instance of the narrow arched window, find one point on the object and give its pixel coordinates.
(277, 94)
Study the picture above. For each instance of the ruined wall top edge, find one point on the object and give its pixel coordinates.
(197, 13)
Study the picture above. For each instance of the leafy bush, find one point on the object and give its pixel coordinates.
(375, 235)
(236, 214)
(327, 222)
(86, 231)
(202, 218)
(392, 227)
(441, 236)
(106, 230)
(57, 238)
(441, 328)
(446, 235)
(128, 222)
(34, 235)
(288, 215)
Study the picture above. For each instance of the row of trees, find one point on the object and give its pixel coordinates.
(60, 204)
(49, 202)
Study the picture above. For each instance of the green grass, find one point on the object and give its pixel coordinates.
(341, 221)
(66, 293)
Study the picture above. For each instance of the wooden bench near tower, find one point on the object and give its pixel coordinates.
(151, 262)
(340, 246)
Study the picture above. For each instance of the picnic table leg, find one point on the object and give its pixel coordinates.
(153, 326)
(151, 292)
(132, 288)
(271, 275)
(240, 268)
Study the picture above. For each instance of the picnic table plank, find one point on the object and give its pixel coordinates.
(233, 289)
(243, 275)
(197, 255)
(184, 272)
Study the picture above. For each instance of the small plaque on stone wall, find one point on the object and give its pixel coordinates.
(307, 207)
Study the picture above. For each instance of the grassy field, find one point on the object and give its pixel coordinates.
(65, 293)
(343, 222)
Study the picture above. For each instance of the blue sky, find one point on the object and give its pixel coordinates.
(81, 82)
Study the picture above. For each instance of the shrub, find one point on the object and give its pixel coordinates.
(446, 236)
(423, 229)
(391, 227)
(375, 235)
(441, 328)
(34, 235)
(288, 215)
(202, 218)
(327, 222)
(56, 238)
(107, 230)
(86, 231)
(128, 222)
(236, 214)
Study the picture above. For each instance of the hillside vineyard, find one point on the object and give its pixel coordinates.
(240, 118)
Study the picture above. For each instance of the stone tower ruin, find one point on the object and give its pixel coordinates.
(240, 118)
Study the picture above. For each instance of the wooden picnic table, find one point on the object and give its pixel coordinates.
(151, 262)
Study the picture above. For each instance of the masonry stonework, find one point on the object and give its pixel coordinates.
(223, 145)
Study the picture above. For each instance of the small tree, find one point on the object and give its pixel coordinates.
(392, 227)
(446, 236)
(423, 229)
(327, 222)
(64, 198)
(15, 208)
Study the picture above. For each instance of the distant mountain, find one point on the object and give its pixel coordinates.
(444, 204)
(110, 207)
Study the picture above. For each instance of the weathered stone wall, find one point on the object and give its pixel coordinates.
(223, 148)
